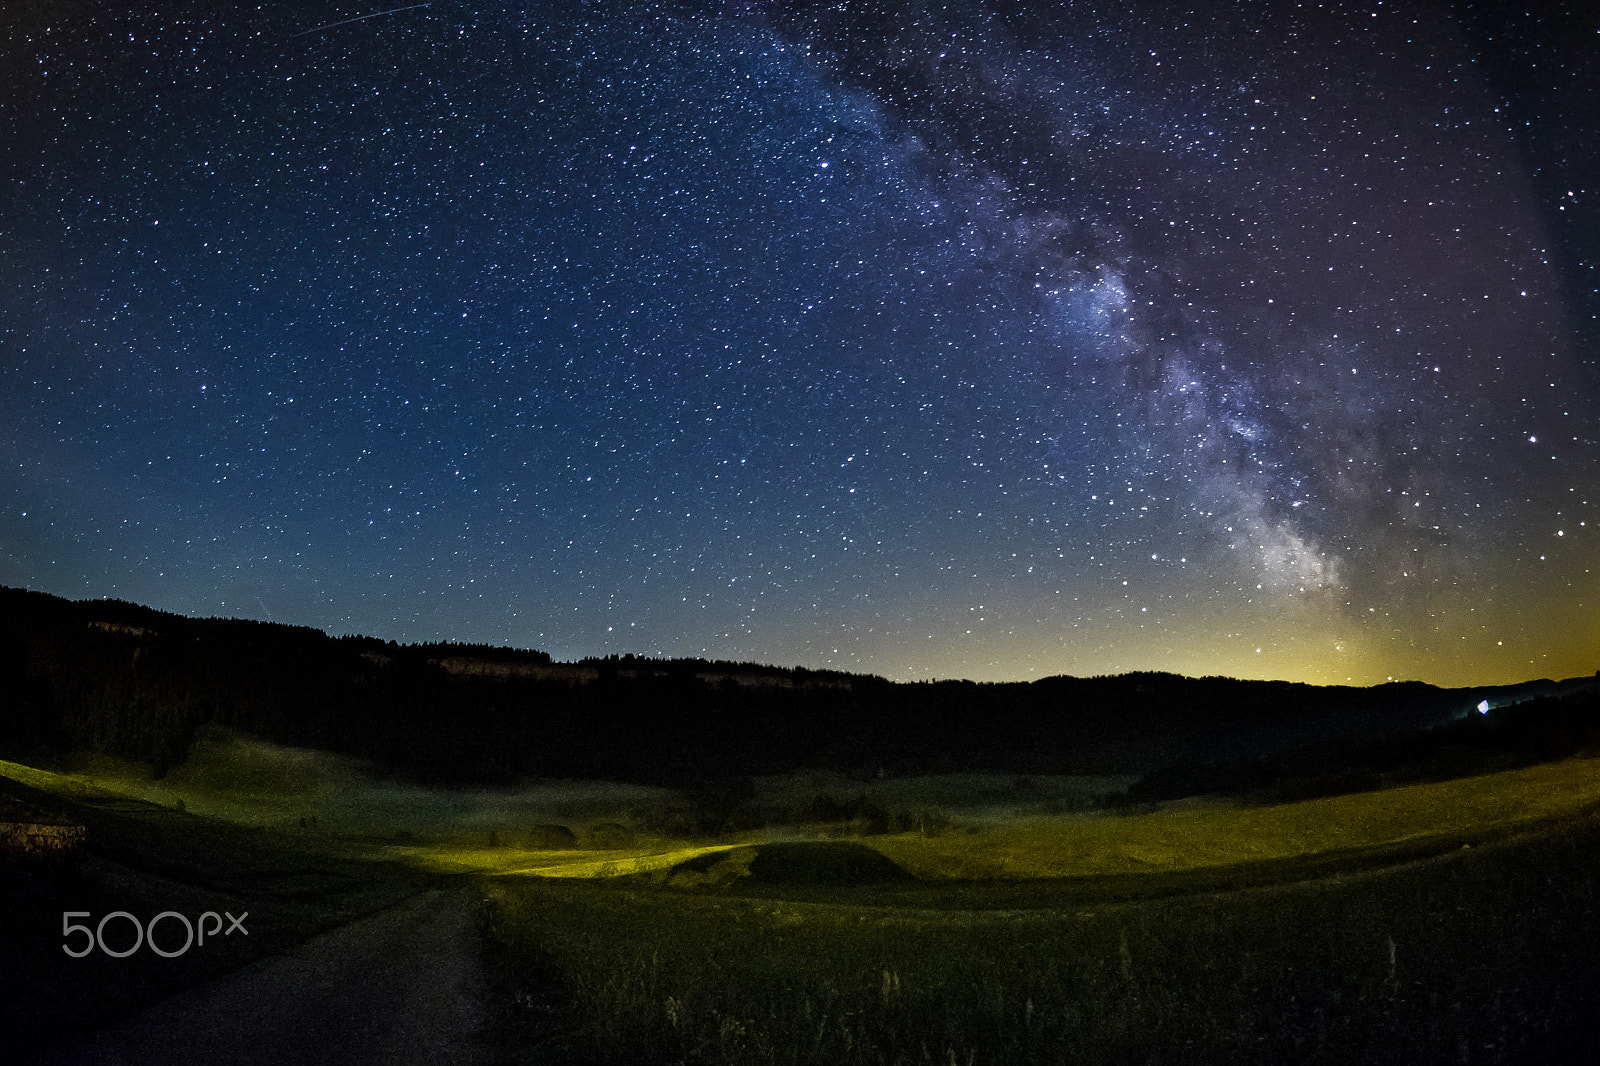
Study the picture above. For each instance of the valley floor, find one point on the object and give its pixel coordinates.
(1201, 930)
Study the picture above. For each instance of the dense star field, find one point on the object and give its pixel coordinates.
(990, 341)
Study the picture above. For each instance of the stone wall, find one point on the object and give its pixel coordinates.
(40, 839)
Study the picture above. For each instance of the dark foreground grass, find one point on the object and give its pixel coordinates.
(144, 859)
(1487, 954)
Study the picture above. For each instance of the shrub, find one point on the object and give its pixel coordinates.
(552, 837)
(610, 835)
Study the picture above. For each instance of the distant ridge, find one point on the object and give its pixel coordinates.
(128, 680)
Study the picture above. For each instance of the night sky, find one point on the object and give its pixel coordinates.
(992, 341)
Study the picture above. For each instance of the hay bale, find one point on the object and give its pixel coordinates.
(552, 838)
(610, 835)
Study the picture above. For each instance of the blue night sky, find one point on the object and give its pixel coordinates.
(989, 341)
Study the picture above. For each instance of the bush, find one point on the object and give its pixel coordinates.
(610, 835)
(552, 837)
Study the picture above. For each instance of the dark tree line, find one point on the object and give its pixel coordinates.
(127, 680)
(1541, 730)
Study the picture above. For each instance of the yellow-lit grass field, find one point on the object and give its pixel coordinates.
(1173, 837)
(1149, 937)
(1200, 931)
(1185, 836)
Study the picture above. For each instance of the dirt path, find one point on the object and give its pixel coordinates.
(403, 986)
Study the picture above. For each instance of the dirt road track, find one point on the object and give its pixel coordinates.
(401, 987)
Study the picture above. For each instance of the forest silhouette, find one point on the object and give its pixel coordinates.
(125, 680)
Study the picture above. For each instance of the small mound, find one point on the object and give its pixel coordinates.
(552, 837)
(823, 862)
(609, 835)
(713, 869)
(800, 863)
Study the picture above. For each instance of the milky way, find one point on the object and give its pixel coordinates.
(997, 342)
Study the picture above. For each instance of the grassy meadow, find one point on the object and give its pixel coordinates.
(1454, 922)
(146, 858)
(815, 919)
